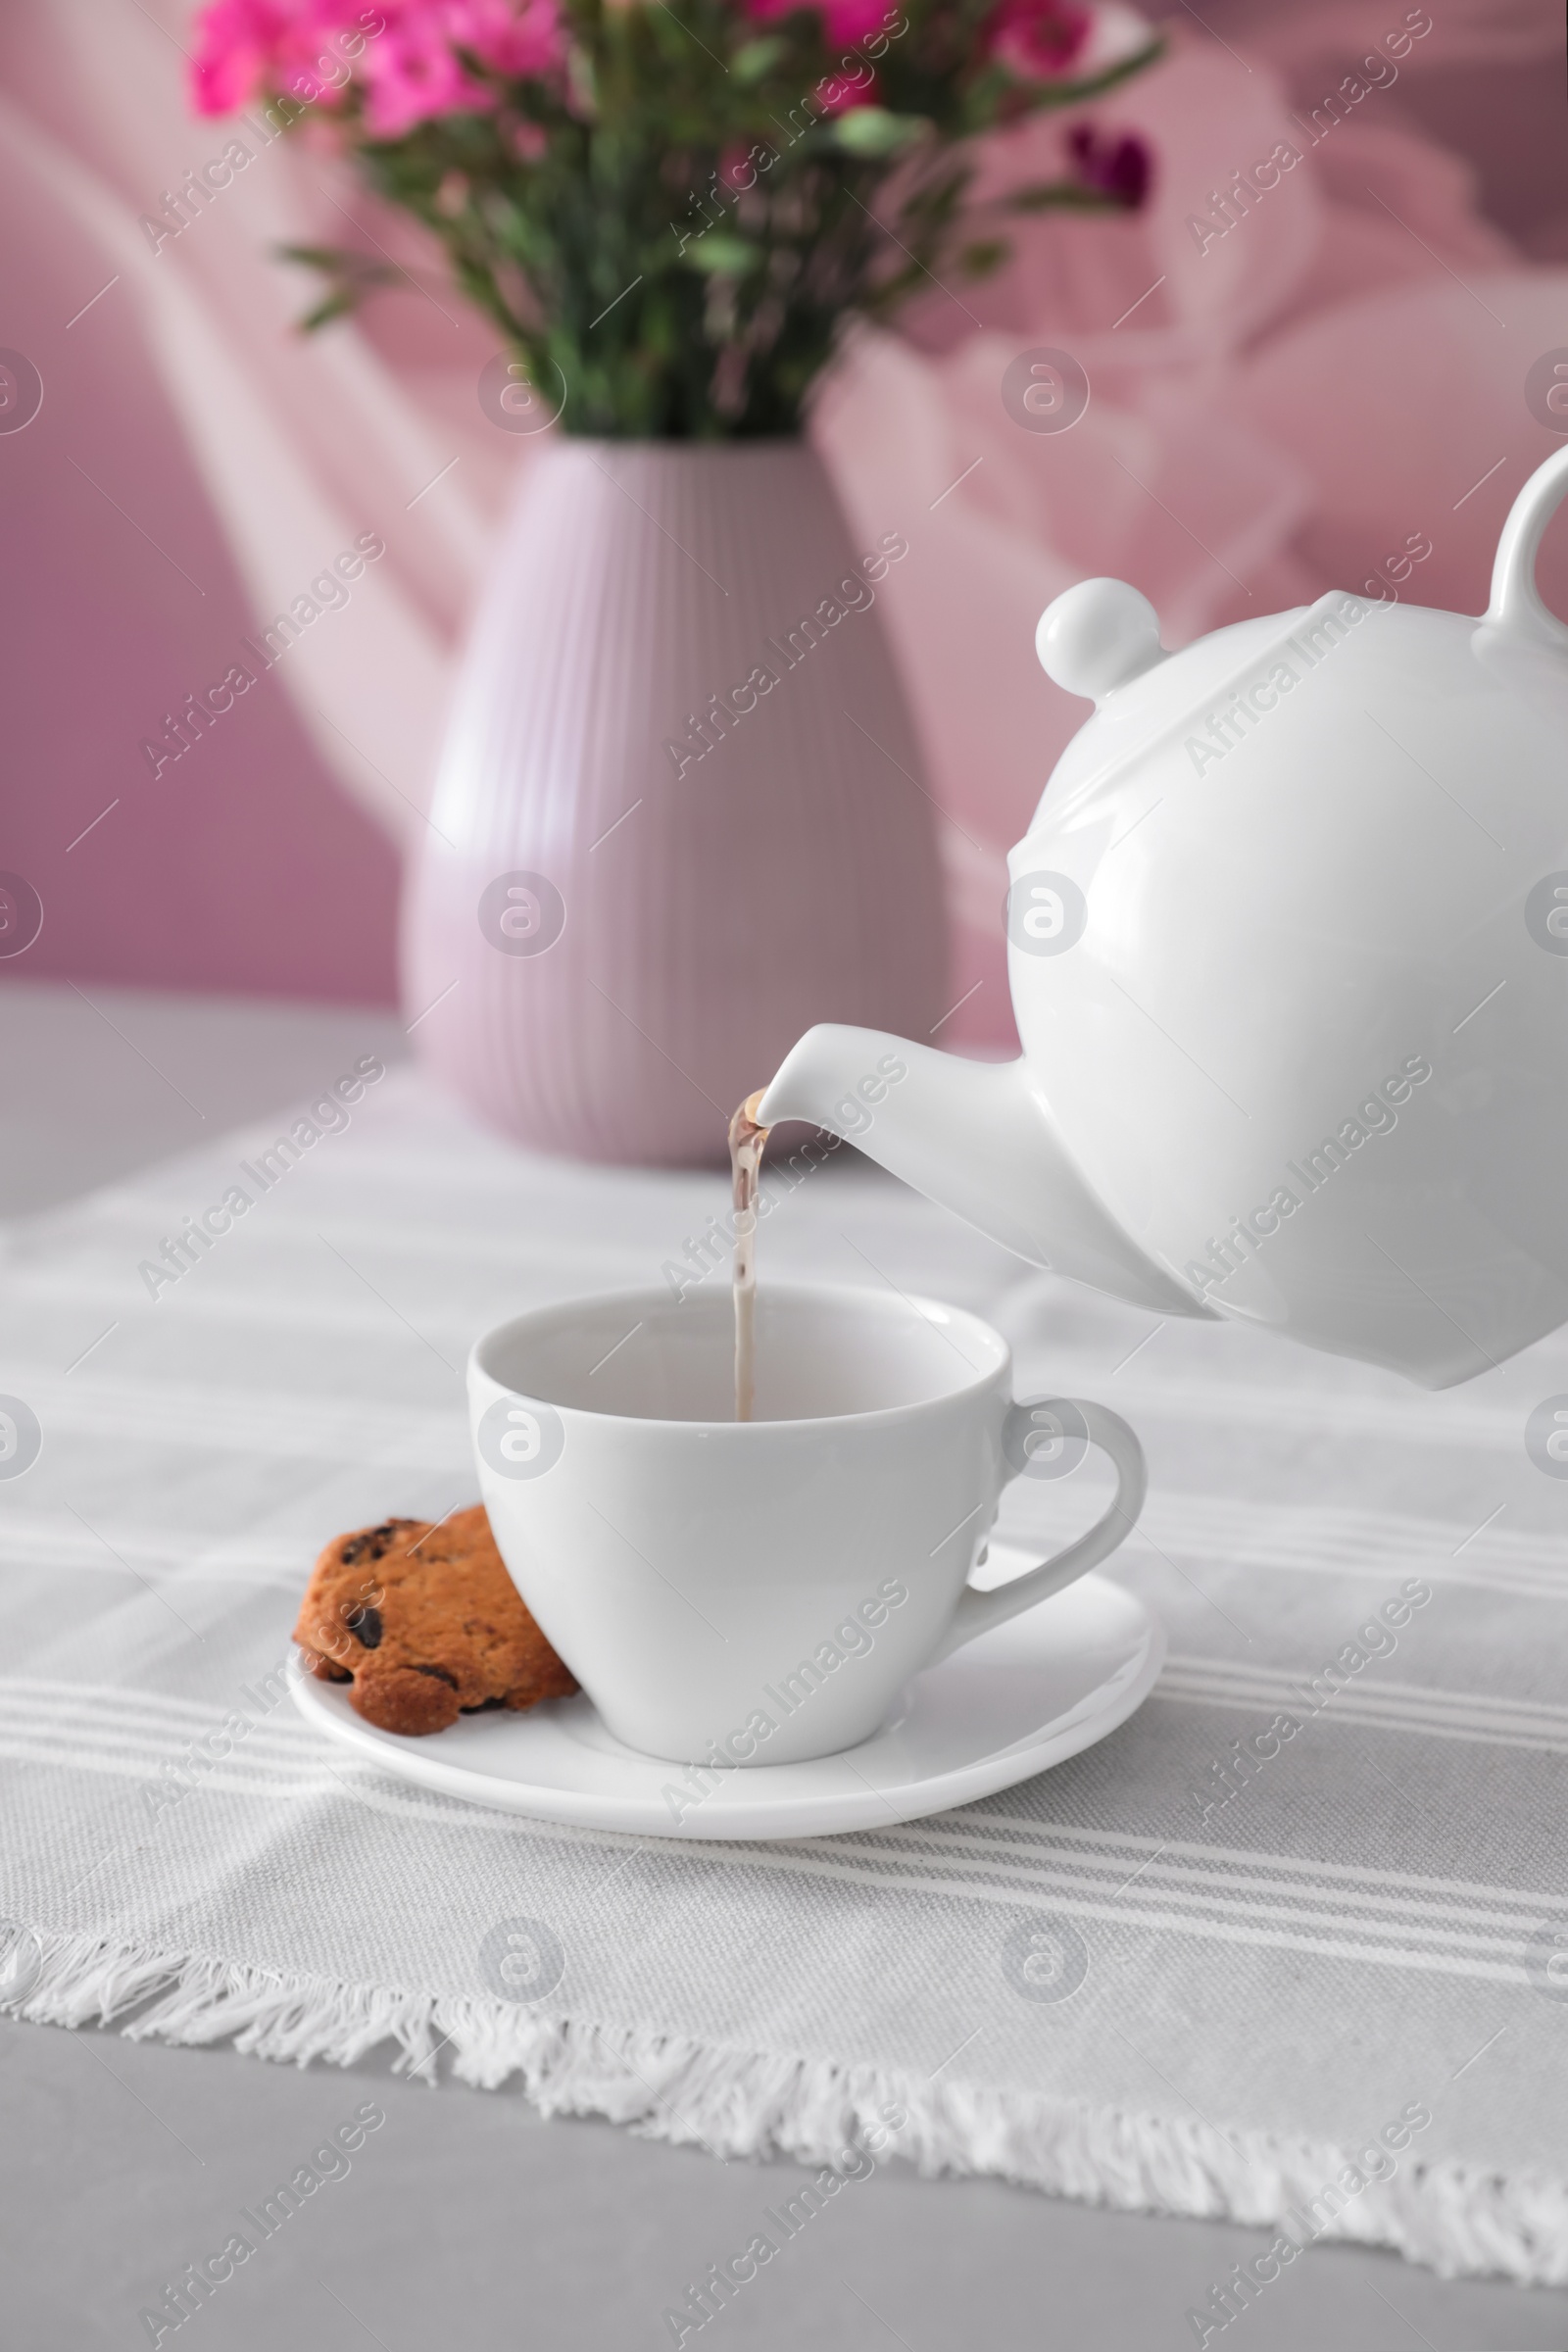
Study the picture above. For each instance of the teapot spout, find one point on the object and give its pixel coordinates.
(977, 1136)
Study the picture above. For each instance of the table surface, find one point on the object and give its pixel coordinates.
(466, 2216)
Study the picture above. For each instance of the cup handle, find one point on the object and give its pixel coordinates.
(977, 1612)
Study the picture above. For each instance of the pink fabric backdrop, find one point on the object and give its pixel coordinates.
(1341, 372)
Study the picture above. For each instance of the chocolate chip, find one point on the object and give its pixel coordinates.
(323, 1668)
(364, 1624)
(439, 1674)
(374, 1539)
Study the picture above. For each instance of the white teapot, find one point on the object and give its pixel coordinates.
(1288, 941)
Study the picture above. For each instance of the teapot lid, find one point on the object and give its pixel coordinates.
(1101, 640)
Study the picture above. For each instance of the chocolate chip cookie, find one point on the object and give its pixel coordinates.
(424, 1622)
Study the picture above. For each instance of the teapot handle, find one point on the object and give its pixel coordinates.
(1515, 599)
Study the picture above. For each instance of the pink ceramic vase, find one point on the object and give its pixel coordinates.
(680, 814)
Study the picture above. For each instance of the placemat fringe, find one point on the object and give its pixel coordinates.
(1459, 2221)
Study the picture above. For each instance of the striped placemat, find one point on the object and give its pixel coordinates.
(1292, 1945)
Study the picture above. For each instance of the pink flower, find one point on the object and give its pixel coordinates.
(838, 95)
(1039, 40)
(233, 57)
(1119, 166)
(251, 46)
(518, 37)
(413, 75)
(404, 53)
(847, 20)
(856, 21)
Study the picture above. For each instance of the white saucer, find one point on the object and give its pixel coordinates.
(1049, 1683)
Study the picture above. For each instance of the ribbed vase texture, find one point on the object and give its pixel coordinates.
(680, 814)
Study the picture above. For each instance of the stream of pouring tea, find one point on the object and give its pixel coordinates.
(745, 1141)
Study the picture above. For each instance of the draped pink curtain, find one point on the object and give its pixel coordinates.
(1336, 378)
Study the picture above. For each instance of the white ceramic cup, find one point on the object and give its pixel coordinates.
(757, 1593)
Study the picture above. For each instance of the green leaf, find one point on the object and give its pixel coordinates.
(583, 80)
(336, 306)
(757, 58)
(350, 277)
(1058, 195)
(979, 261)
(1049, 95)
(317, 257)
(721, 255)
(871, 130)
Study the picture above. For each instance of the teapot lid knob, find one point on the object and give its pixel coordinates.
(1098, 636)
